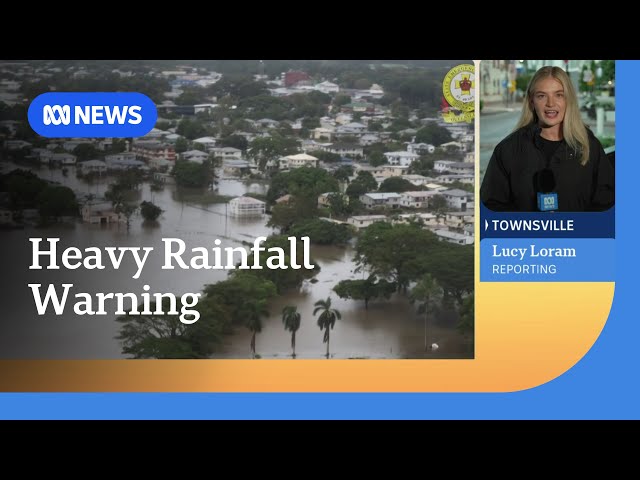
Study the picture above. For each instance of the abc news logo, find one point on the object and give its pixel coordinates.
(91, 115)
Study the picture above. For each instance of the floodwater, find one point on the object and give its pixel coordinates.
(388, 329)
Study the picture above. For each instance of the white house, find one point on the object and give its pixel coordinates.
(442, 165)
(401, 158)
(457, 198)
(345, 149)
(417, 199)
(453, 237)
(417, 180)
(327, 87)
(207, 142)
(93, 166)
(380, 199)
(227, 152)
(351, 128)
(363, 221)
(458, 219)
(420, 148)
(297, 161)
(195, 156)
(63, 158)
(246, 207)
(99, 212)
(456, 177)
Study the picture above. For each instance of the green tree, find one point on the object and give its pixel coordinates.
(341, 99)
(266, 149)
(396, 185)
(339, 205)
(254, 310)
(321, 232)
(56, 201)
(297, 210)
(399, 252)
(422, 166)
(363, 183)
(438, 204)
(150, 211)
(288, 278)
(182, 145)
(343, 172)
(191, 129)
(23, 188)
(433, 134)
(305, 182)
(165, 336)
(120, 197)
(323, 156)
(326, 319)
(232, 294)
(234, 141)
(467, 321)
(428, 293)
(86, 151)
(291, 321)
(191, 174)
(119, 145)
(377, 158)
(364, 289)
(310, 122)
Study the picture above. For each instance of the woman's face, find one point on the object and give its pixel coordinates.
(549, 102)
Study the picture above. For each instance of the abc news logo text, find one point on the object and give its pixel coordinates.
(91, 115)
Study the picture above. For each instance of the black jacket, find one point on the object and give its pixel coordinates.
(509, 183)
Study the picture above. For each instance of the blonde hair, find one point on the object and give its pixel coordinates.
(574, 130)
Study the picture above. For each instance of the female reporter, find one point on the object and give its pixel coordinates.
(551, 152)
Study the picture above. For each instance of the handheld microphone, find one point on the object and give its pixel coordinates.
(545, 184)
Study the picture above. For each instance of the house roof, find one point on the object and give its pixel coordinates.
(301, 156)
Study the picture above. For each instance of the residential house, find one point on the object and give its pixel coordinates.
(417, 199)
(324, 200)
(65, 159)
(458, 219)
(246, 207)
(207, 142)
(227, 153)
(93, 166)
(453, 237)
(297, 161)
(417, 180)
(457, 198)
(401, 158)
(420, 148)
(16, 144)
(380, 199)
(345, 149)
(327, 87)
(369, 139)
(195, 156)
(323, 133)
(363, 221)
(351, 128)
(468, 179)
(100, 212)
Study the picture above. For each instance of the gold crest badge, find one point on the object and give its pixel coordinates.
(459, 90)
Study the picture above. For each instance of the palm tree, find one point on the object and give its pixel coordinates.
(428, 292)
(253, 312)
(291, 320)
(327, 318)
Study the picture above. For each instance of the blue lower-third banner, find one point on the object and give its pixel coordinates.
(547, 260)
